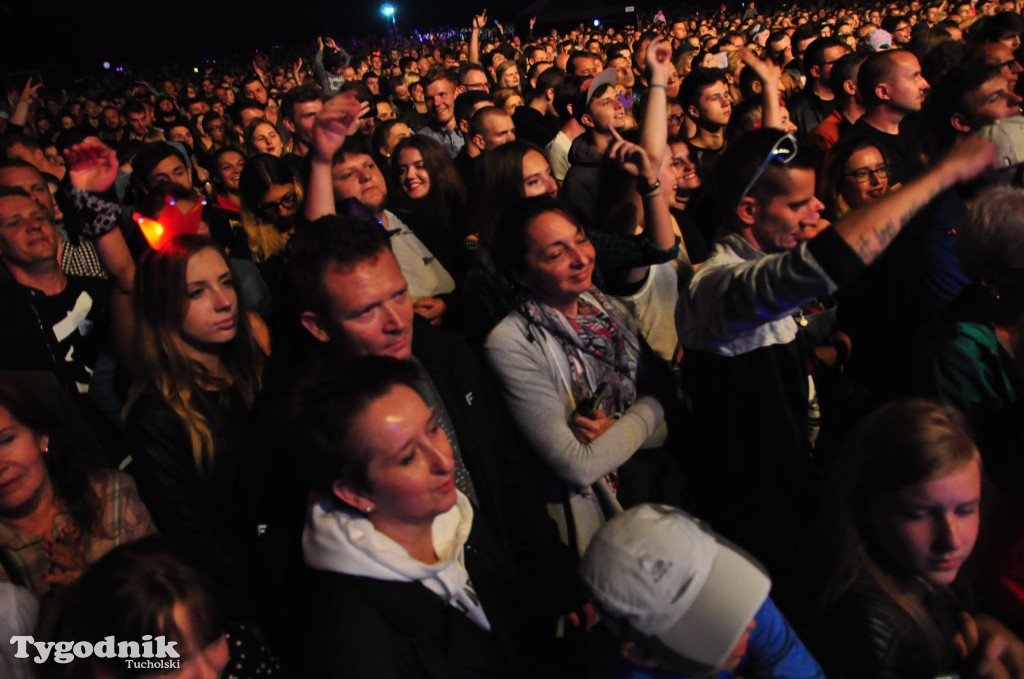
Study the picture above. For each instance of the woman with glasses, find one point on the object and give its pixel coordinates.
(855, 174)
(271, 200)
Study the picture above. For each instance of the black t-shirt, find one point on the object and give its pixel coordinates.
(534, 127)
(905, 152)
(76, 322)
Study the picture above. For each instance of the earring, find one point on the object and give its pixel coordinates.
(368, 509)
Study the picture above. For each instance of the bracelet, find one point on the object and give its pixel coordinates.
(99, 214)
(648, 190)
(657, 87)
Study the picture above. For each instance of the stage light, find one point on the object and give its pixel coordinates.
(387, 9)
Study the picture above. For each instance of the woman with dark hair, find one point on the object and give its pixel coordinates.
(901, 518)
(271, 201)
(424, 181)
(396, 548)
(431, 199)
(386, 136)
(187, 414)
(570, 359)
(148, 588)
(509, 173)
(855, 173)
(54, 517)
(228, 164)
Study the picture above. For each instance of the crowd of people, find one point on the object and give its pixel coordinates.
(683, 348)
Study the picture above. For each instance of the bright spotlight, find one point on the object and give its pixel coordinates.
(597, 22)
(387, 9)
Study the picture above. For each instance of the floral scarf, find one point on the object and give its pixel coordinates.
(594, 343)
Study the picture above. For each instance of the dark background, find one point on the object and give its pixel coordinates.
(65, 36)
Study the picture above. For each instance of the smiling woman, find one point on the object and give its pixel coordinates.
(54, 519)
(394, 544)
(569, 360)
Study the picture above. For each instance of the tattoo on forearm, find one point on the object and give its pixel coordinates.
(863, 248)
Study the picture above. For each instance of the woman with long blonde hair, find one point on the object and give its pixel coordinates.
(187, 413)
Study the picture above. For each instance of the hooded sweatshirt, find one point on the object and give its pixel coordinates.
(343, 541)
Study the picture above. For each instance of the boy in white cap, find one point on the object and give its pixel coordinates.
(682, 601)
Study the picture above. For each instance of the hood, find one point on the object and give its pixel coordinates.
(344, 541)
(583, 152)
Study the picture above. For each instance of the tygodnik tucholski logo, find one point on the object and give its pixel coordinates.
(152, 653)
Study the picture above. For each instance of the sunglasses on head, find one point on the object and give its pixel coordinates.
(783, 151)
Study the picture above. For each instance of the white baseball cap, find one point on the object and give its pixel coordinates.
(669, 583)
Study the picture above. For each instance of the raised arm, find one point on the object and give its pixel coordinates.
(638, 162)
(338, 119)
(92, 168)
(870, 229)
(769, 75)
(654, 128)
(28, 96)
(479, 21)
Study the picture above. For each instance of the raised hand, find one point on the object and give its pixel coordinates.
(767, 72)
(29, 93)
(631, 158)
(338, 119)
(659, 61)
(480, 20)
(91, 166)
(971, 156)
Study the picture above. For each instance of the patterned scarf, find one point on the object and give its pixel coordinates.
(594, 343)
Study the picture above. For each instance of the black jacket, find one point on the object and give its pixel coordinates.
(199, 513)
(362, 627)
(866, 634)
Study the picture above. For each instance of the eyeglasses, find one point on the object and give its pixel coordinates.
(288, 201)
(865, 174)
(782, 152)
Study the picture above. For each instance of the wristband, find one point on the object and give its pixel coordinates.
(657, 87)
(648, 190)
(98, 215)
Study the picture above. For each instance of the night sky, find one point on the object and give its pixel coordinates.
(66, 38)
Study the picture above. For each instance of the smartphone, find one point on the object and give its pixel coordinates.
(371, 111)
(587, 406)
